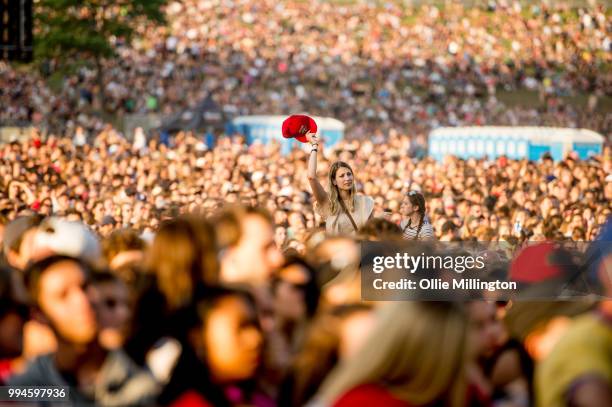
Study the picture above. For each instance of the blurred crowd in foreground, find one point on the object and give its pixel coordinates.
(373, 65)
(172, 272)
(182, 275)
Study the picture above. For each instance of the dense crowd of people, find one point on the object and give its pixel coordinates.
(112, 184)
(193, 271)
(212, 313)
(205, 276)
(373, 66)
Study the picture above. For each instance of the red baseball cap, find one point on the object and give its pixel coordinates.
(297, 125)
(536, 263)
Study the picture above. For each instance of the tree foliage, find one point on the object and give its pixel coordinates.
(66, 29)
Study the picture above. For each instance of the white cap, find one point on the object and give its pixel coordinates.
(68, 238)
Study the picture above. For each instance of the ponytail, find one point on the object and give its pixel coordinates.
(416, 237)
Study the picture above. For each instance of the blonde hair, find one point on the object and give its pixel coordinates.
(334, 194)
(416, 352)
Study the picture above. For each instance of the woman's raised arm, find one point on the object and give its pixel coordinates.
(317, 189)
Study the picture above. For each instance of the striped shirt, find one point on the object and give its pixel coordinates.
(409, 232)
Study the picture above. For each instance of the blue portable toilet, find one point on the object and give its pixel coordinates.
(513, 142)
(267, 128)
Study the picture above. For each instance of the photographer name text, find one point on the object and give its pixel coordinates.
(439, 284)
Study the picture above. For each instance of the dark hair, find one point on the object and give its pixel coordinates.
(489, 202)
(311, 289)
(207, 300)
(449, 225)
(8, 296)
(34, 272)
(73, 211)
(417, 199)
(104, 277)
(191, 372)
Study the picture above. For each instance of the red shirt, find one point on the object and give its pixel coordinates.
(369, 395)
(191, 399)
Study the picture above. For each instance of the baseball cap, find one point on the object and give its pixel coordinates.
(297, 125)
(69, 238)
(547, 270)
(536, 263)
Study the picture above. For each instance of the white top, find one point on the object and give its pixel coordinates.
(409, 232)
(340, 224)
